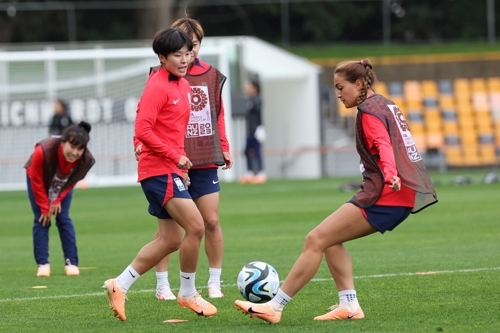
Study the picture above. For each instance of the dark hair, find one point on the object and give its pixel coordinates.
(355, 70)
(190, 27)
(171, 40)
(77, 135)
(63, 104)
(254, 80)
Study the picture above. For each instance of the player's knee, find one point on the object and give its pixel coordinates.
(212, 224)
(312, 240)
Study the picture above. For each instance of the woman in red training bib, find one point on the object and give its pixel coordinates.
(395, 184)
(53, 170)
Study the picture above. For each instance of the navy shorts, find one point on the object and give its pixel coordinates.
(203, 182)
(159, 189)
(386, 218)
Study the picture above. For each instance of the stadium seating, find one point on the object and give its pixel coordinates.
(459, 117)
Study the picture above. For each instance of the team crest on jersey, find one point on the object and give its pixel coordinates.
(200, 120)
(180, 184)
(411, 147)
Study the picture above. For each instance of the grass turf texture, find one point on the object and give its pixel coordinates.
(263, 222)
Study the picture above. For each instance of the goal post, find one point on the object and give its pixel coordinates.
(100, 85)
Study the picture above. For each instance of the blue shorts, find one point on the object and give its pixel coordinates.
(385, 218)
(203, 182)
(159, 189)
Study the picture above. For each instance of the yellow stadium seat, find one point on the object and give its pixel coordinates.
(446, 102)
(487, 154)
(429, 88)
(453, 156)
(493, 84)
(461, 86)
(412, 90)
(381, 88)
(478, 85)
(471, 155)
(450, 127)
(345, 112)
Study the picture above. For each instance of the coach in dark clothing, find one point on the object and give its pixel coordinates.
(255, 135)
(61, 118)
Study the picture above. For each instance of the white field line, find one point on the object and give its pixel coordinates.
(472, 270)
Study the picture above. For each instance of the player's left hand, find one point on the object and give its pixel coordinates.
(228, 160)
(395, 183)
(54, 209)
(138, 150)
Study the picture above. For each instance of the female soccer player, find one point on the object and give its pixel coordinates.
(53, 170)
(395, 184)
(206, 125)
(160, 125)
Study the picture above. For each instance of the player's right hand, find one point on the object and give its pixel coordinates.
(184, 163)
(44, 220)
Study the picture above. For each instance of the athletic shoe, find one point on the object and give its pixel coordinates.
(340, 312)
(72, 270)
(214, 291)
(246, 178)
(261, 311)
(164, 293)
(260, 178)
(116, 298)
(197, 304)
(43, 271)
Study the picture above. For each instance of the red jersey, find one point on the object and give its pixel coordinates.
(160, 125)
(36, 173)
(378, 142)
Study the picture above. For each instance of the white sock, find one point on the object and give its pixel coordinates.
(127, 278)
(279, 301)
(215, 274)
(162, 279)
(348, 299)
(187, 284)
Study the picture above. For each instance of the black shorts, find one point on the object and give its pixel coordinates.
(385, 218)
(159, 189)
(203, 182)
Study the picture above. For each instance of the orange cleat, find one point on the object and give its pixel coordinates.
(116, 298)
(260, 311)
(197, 304)
(341, 312)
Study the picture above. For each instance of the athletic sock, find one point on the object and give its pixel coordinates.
(279, 301)
(127, 278)
(187, 284)
(349, 299)
(215, 274)
(162, 279)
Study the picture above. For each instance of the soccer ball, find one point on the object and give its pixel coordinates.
(258, 282)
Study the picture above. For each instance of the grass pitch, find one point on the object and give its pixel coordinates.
(437, 272)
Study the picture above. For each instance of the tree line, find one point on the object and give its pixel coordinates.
(292, 21)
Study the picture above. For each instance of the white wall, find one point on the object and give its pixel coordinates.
(291, 109)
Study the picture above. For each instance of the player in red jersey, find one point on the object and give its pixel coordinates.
(160, 125)
(52, 171)
(395, 184)
(207, 147)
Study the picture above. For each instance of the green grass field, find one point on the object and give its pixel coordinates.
(456, 242)
(353, 50)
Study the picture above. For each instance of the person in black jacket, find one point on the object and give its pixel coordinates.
(256, 135)
(61, 118)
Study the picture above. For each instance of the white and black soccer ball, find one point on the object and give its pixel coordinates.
(258, 282)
